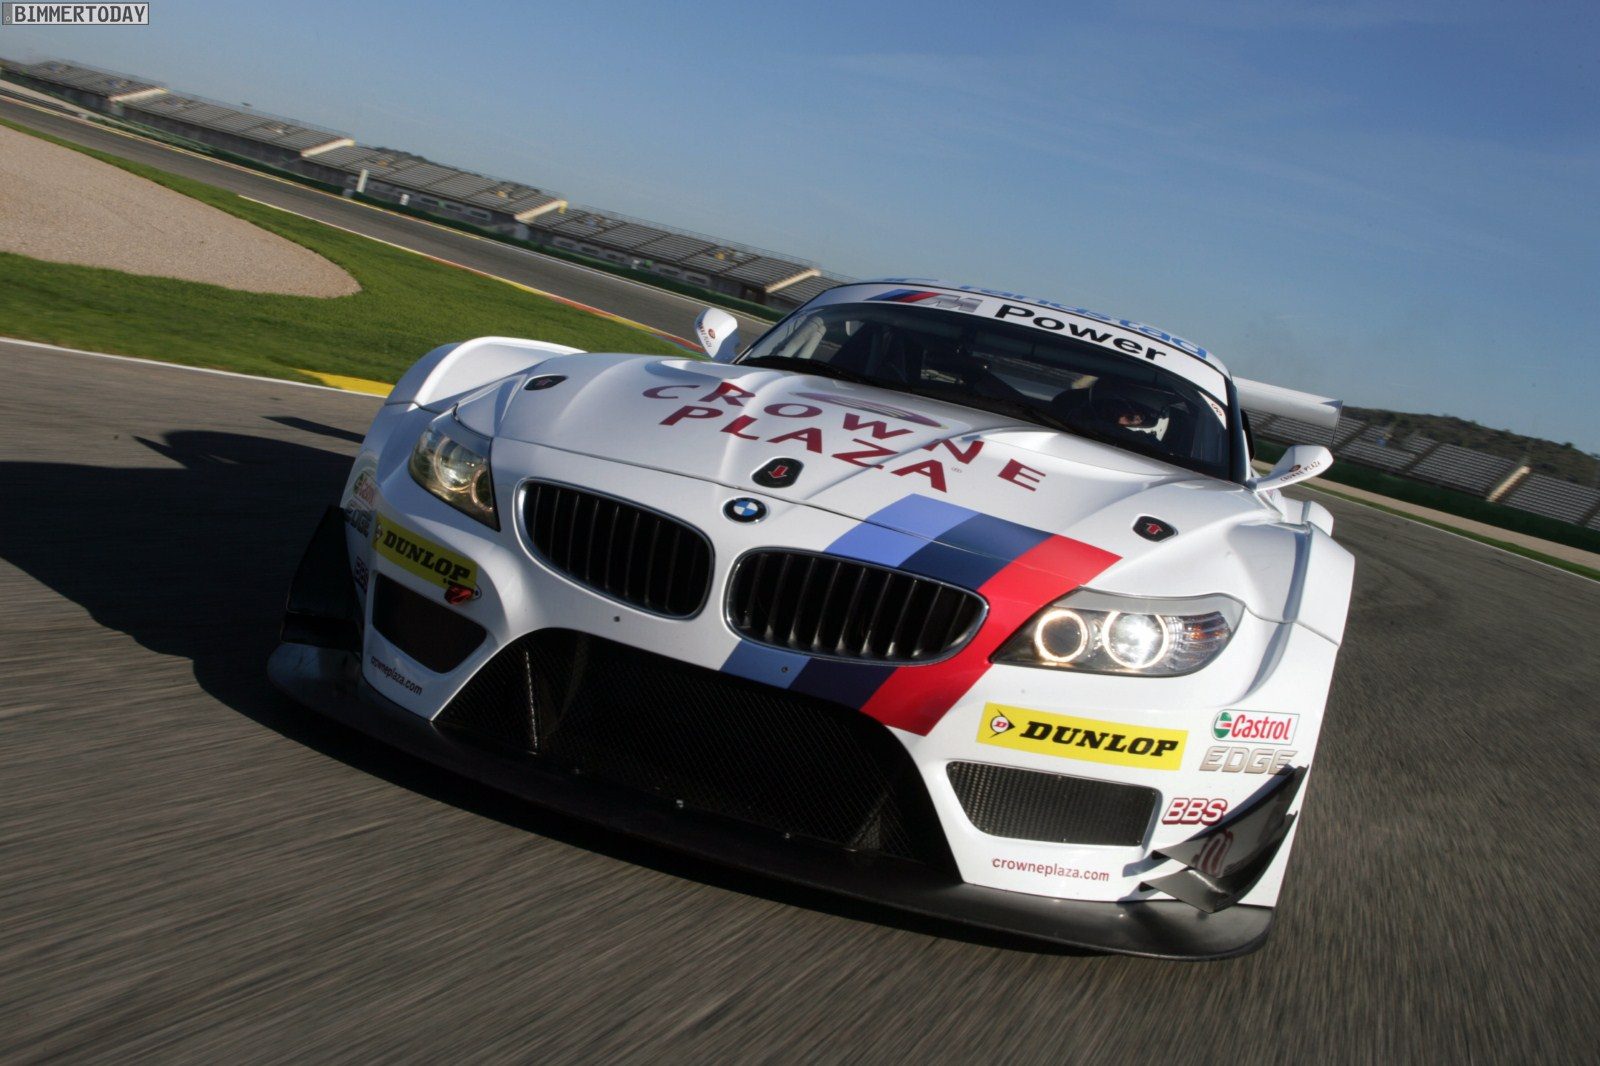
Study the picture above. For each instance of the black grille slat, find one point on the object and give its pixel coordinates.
(565, 548)
(630, 558)
(928, 615)
(830, 605)
(1029, 805)
(770, 629)
(619, 549)
(820, 640)
(787, 762)
(801, 602)
(885, 590)
(896, 633)
(841, 644)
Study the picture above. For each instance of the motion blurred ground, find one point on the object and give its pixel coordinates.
(65, 207)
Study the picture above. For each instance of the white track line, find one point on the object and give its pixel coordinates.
(183, 366)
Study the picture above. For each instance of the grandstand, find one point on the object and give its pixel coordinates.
(101, 90)
(400, 177)
(1448, 465)
(265, 137)
(1461, 468)
(732, 269)
(1555, 498)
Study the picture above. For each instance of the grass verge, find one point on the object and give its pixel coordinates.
(645, 277)
(407, 305)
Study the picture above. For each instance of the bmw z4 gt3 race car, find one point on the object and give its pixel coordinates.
(941, 597)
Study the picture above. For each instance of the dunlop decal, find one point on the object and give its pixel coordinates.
(432, 562)
(1082, 738)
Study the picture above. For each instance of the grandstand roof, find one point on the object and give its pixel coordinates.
(413, 172)
(717, 260)
(207, 114)
(112, 86)
(673, 247)
(630, 235)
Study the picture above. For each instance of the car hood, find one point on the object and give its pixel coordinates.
(860, 448)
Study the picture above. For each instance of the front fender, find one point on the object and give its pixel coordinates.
(452, 369)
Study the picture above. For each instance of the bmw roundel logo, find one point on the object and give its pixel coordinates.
(744, 509)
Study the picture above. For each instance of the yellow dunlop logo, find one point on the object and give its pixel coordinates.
(429, 561)
(1082, 738)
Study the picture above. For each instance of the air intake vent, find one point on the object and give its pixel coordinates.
(430, 633)
(710, 741)
(618, 549)
(1029, 805)
(825, 605)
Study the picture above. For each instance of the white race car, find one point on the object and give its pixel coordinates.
(937, 596)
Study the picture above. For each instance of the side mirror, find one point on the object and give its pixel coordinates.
(718, 333)
(1299, 463)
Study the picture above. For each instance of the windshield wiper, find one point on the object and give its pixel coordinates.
(811, 366)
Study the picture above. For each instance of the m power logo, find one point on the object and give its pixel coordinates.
(432, 562)
(1086, 739)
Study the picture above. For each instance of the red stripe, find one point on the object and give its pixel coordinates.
(914, 698)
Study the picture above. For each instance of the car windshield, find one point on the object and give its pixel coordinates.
(1013, 370)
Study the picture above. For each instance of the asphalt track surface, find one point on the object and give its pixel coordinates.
(642, 303)
(193, 868)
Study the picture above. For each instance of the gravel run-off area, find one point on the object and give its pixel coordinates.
(66, 207)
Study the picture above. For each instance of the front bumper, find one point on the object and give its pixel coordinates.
(327, 680)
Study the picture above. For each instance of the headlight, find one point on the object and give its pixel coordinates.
(452, 462)
(1103, 634)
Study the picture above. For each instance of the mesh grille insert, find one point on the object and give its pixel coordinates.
(1028, 805)
(788, 762)
(826, 605)
(626, 552)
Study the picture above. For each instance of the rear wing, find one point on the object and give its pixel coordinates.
(1277, 400)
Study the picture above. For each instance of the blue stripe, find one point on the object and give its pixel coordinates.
(770, 666)
(890, 536)
(954, 565)
(923, 516)
(874, 544)
(851, 684)
(994, 536)
(966, 553)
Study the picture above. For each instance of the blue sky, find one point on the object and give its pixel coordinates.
(1391, 203)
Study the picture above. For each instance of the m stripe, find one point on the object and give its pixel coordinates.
(1016, 568)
